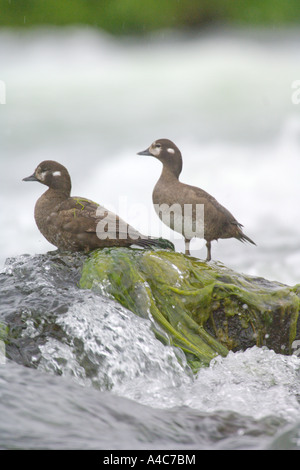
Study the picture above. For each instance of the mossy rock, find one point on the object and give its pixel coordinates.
(203, 308)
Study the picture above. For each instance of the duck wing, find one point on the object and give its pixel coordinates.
(78, 214)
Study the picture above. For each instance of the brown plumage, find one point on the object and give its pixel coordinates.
(75, 223)
(169, 191)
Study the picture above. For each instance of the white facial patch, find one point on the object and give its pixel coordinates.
(155, 150)
(42, 175)
(56, 173)
(171, 150)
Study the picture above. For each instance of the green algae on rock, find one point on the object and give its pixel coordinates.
(204, 309)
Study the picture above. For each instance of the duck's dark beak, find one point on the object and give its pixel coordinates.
(145, 152)
(30, 178)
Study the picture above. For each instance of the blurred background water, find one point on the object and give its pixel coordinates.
(91, 98)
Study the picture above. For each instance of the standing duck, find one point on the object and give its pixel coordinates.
(187, 209)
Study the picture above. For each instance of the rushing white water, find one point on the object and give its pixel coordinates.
(119, 346)
(120, 353)
(95, 345)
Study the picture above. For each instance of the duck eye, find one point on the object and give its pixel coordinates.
(157, 146)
